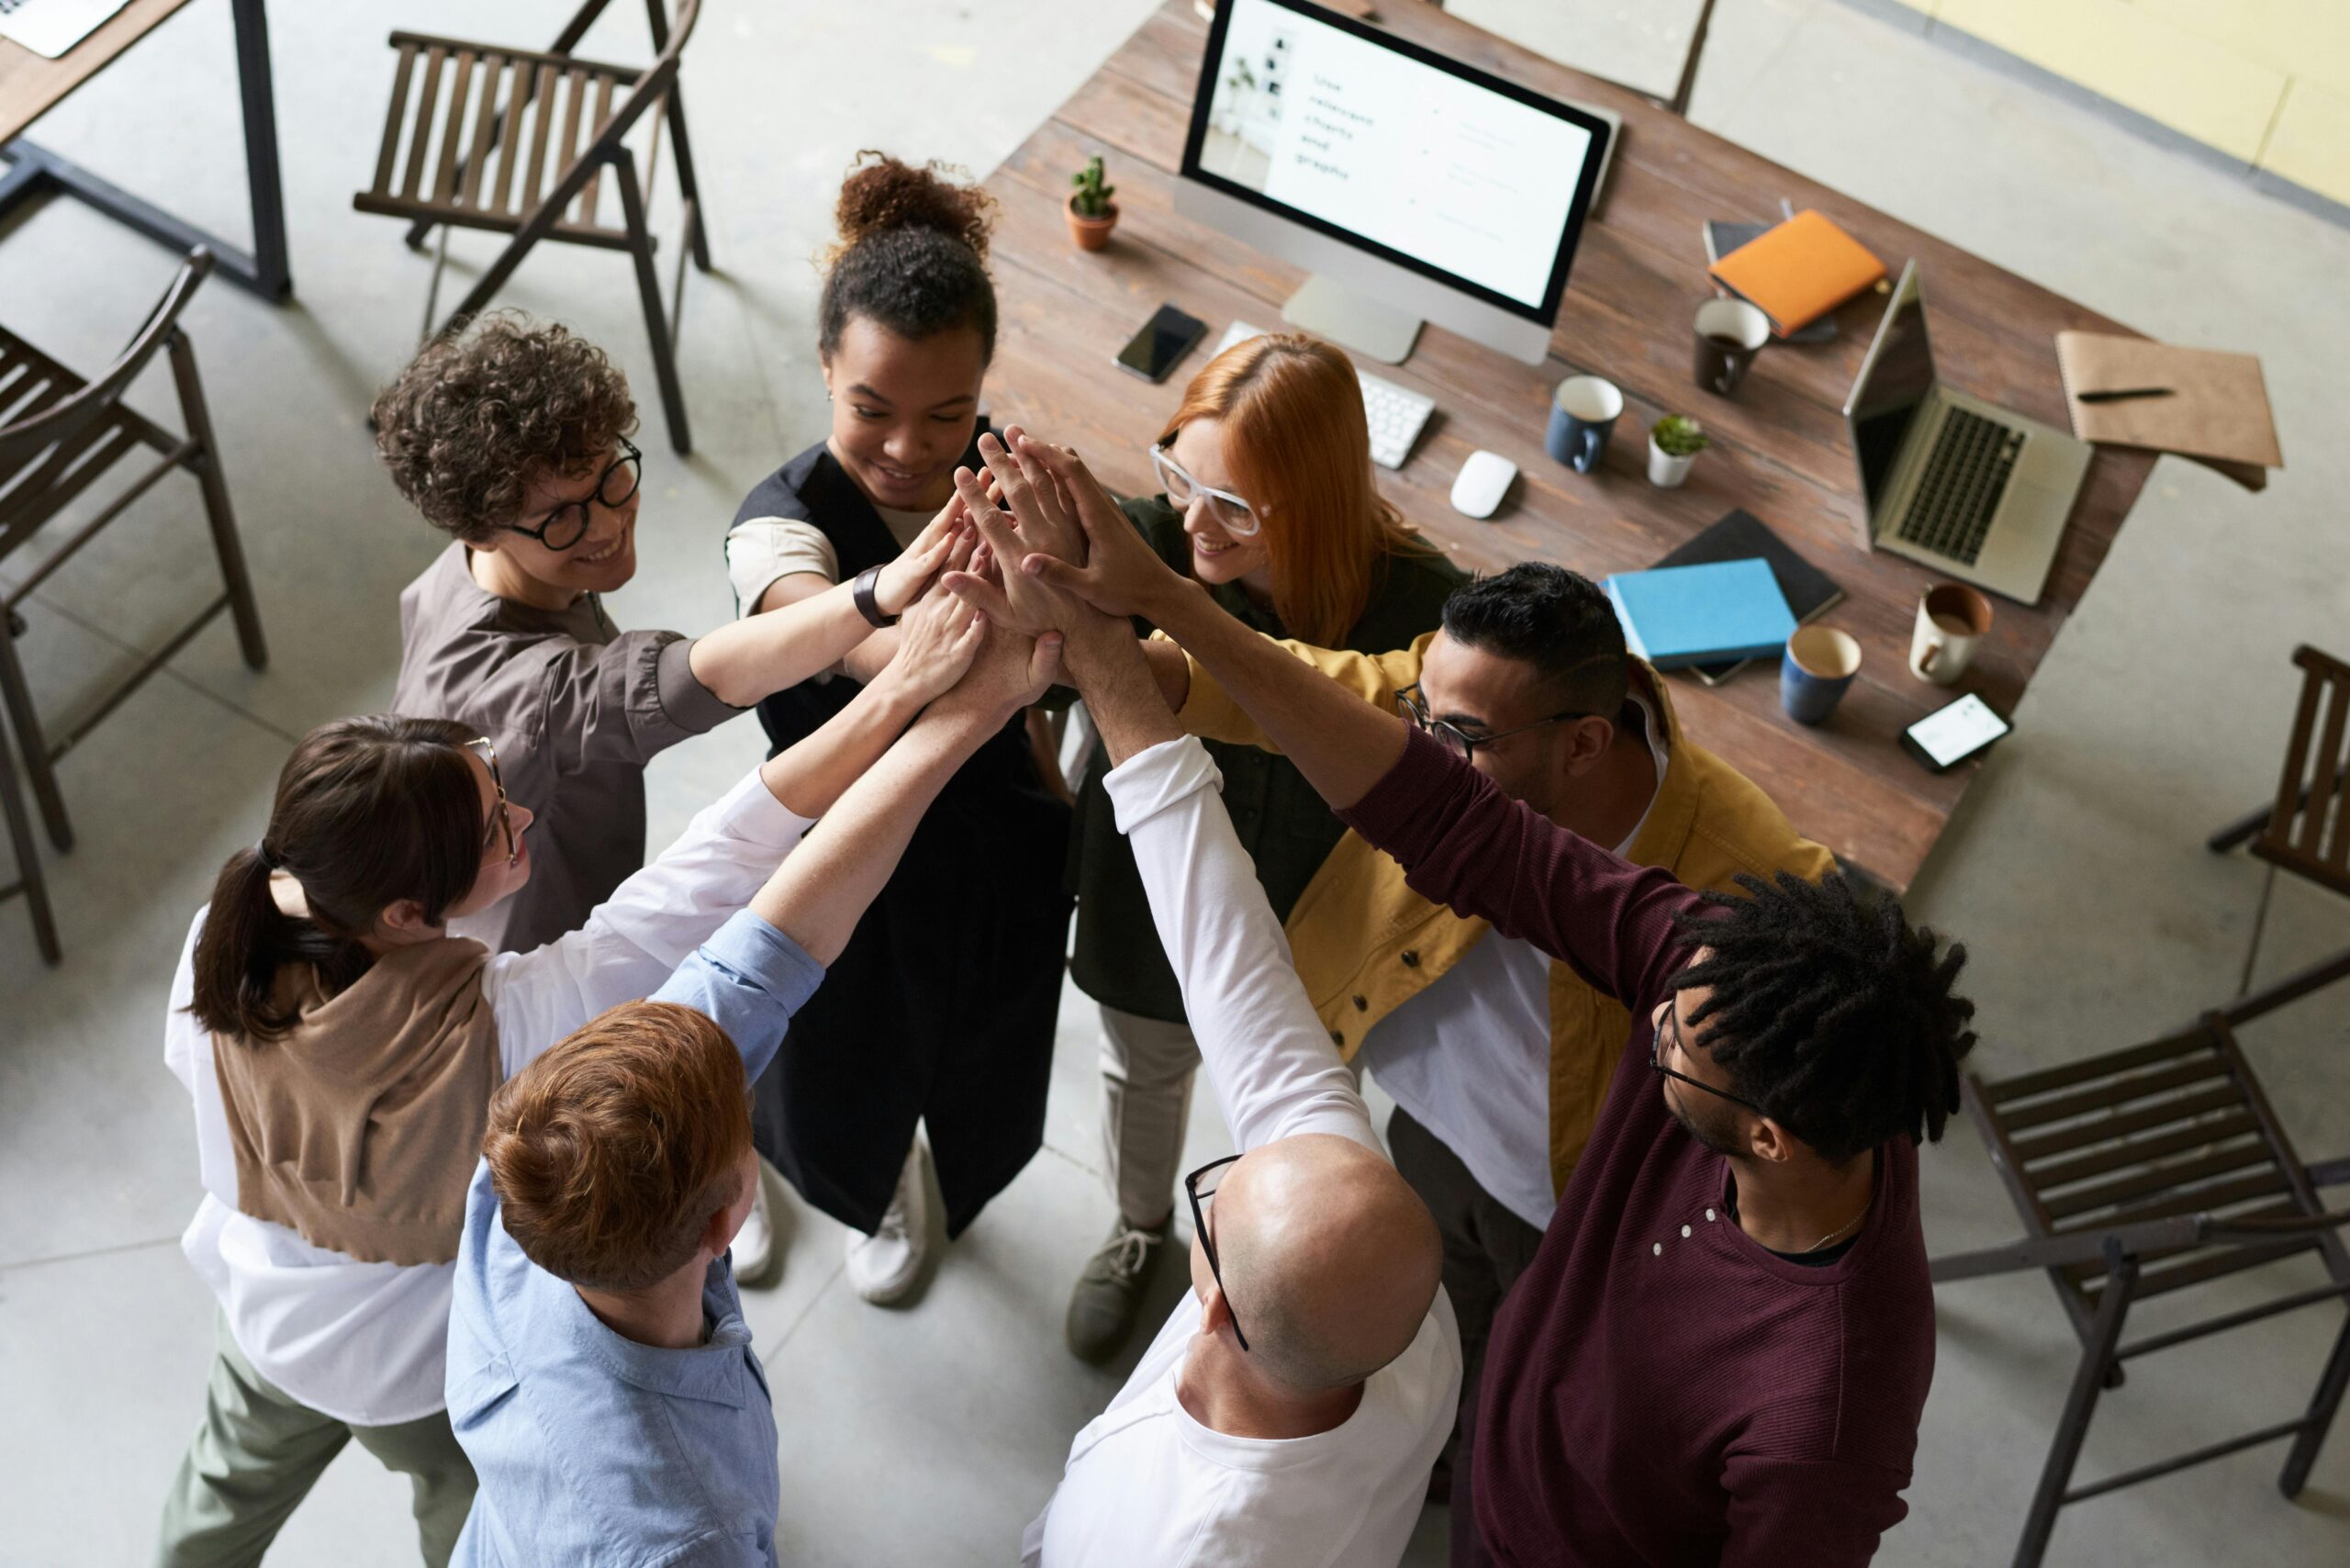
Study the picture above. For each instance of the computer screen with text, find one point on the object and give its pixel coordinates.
(1409, 155)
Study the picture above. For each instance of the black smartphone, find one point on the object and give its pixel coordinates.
(1948, 736)
(1166, 338)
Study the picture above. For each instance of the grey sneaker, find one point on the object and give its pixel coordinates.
(1108, 1297)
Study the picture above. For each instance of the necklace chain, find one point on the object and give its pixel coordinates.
(1839, 1230)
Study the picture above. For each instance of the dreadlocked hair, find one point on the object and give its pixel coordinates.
(1831, 1010)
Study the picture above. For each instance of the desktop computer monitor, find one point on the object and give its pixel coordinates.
(1412, 185)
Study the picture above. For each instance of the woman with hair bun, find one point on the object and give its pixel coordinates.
(941, 1011)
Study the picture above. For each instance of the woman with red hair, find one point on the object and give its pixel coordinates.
(1267, 498)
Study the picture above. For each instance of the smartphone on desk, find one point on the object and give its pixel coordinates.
(1163, 341)
(1948, 736)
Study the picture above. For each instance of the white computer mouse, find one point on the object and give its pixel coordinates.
(1485, 480)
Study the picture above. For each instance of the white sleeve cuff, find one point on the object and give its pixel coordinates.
(1153, 779)
(751, 813)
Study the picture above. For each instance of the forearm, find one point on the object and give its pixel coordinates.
(1116, 677)
(817, 896)
(811, 776)
(745, 660)
(1342, 744)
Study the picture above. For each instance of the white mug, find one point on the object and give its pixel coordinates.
(1951, 619)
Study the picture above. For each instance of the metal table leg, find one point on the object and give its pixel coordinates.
(33, 169)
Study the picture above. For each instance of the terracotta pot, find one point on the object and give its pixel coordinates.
(1091, 233)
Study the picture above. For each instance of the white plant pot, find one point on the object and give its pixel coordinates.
(1666, 472)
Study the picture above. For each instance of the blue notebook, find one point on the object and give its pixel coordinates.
(1675, 616)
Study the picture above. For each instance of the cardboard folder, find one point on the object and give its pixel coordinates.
(2217, 410)
(1799, 271)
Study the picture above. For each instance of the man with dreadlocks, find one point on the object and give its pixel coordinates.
(1722, 1348)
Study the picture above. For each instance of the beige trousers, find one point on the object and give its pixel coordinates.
(1147, 1070)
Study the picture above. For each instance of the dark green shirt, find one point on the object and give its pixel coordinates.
(1282, 823)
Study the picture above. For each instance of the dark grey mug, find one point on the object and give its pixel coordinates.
(1582, 415)
(1730, 332)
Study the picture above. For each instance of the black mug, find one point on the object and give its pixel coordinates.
(1582, 416)
(1730, 332)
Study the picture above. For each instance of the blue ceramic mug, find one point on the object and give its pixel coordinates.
(1818, 666)
(1582, 415)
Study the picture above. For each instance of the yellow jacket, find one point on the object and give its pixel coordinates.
(1364, 942)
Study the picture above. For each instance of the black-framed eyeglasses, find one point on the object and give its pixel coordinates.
(1413, 705)
(1680, 1043)
(500, 820)
(1207, 1241)
(567, 524)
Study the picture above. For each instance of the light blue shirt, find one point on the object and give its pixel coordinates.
(590, 1447)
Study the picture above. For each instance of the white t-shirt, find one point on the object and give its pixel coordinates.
(1468, 1055)
(761, 549)
(1148, 1484)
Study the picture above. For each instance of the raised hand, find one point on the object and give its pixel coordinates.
(1117, 573)
(903, 580)
(1023, 604)
(1011, 672)
(938, 638)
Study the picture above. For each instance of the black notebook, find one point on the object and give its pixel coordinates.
(1740, 536)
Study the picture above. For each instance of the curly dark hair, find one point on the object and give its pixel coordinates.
(1829, 1010)
(912, 253)
(1560, 621)
(488, 409)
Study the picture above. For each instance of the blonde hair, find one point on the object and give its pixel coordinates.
(1298, 447)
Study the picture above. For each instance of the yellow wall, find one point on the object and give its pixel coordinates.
(2264, 81)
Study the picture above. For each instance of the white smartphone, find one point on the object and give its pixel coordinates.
(1948, 736)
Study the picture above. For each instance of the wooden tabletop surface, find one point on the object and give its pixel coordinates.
(1781, 449)
(32, 84)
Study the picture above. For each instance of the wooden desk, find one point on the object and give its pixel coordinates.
(32, 84)
(1780, 447)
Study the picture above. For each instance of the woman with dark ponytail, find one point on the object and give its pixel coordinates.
(942, 1010)
(342, 1048)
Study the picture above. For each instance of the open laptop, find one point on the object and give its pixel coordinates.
(1959, 484)
(52, 26)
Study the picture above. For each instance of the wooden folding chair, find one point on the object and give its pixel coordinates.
(2306, 830)
(2145, 1171)
(59, 435)
(457, 152)
(30, 882)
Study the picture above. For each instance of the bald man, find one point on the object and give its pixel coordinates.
(1291, 1411)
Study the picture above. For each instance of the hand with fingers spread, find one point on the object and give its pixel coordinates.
(938, 639)
(1117, 572)
(903, 580)
(1022, 603)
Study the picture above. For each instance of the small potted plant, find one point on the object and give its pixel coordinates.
(1092, 213)
(1675, 442)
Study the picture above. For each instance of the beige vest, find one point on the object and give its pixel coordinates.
(358, 1128)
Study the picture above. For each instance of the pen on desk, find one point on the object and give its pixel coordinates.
(2124, 394)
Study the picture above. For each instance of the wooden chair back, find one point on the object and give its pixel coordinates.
(2307, 830)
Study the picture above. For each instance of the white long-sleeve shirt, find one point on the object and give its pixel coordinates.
(1146, 1481)
(365, 1342)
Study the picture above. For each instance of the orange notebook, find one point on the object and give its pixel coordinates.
(1799, 271)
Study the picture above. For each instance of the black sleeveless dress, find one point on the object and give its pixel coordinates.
(943, 1005)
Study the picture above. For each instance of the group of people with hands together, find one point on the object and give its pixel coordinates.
(489, 1109)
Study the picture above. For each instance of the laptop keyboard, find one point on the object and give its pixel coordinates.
(1966, 474)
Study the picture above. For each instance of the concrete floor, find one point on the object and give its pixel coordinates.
(2076, 873)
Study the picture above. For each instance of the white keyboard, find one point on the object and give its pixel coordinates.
(1397, 414)
(52, 26)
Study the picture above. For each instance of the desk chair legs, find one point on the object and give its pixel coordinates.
(217, 514)
(2324, 1406)
(2089, 1380)
(648, 287)
(25, 721)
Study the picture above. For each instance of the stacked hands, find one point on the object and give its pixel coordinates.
(994, 595)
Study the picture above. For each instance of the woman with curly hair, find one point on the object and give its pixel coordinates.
(941, 1011)
(513, 436)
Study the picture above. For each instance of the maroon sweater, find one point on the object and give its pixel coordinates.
(1658, 1388)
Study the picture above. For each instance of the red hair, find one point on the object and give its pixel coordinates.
(612, 1151)
(1299, 448)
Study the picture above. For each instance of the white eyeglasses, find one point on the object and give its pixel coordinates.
(1232, 513)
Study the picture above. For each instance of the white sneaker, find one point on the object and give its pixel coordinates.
(883, 1267)
(757, 1260)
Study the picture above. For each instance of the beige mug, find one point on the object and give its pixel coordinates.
(1951, 619)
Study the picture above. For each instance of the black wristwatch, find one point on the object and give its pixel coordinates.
(868, 603)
